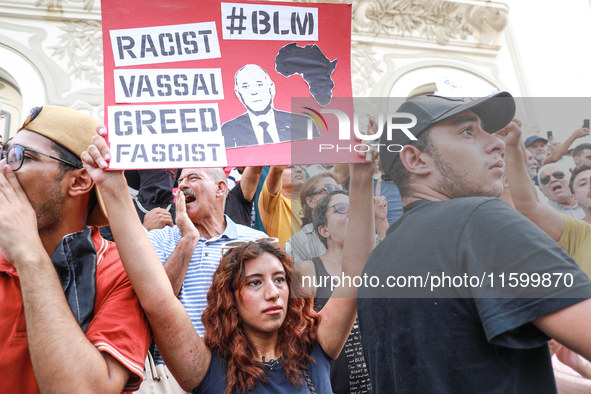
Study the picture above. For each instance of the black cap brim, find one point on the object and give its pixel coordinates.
(496, 111)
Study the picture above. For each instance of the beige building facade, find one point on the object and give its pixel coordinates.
(51, 52)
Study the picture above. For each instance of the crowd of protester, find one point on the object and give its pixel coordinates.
(228, 277)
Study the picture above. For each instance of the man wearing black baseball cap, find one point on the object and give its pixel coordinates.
(444, 317)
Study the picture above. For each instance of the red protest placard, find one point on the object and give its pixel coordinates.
(213, 83)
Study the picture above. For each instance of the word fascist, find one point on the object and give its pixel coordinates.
(171, 153)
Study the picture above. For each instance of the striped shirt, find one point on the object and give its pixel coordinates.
(204, 262)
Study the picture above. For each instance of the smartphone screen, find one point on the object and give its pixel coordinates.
(586, 123)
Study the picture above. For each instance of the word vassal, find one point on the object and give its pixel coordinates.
(185, 85)
(158, 85)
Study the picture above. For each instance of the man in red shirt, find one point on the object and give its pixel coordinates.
(69, 319)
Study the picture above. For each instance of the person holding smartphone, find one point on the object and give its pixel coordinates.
(558, 149)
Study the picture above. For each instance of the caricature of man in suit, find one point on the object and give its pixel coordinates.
(261, 124)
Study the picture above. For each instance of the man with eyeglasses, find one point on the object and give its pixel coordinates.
(305, 244)
(573, 235)
(554, 181)
(326, 189)
(69, 319)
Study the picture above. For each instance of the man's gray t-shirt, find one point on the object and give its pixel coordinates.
(462, 340)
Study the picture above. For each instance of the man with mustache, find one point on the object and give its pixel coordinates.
(554, 179)
(532, 166)
(572, 234)
(191, 250)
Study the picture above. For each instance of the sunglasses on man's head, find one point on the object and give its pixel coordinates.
(236, 244)
(15, 156)
(341, 207)
(328, 188)
(546, 179)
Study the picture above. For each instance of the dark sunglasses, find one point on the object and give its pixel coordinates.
(328, 187)
(15, 156)
(236, 244)
(341, 207)
(546, 179)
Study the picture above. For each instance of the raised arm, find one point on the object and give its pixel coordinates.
(341, 172)
(563, 148)
(249, 182)
(308, 273)
(339, 313)
(381, 211)
(522, 189)
(182, 349)
(177, 263)
(273, 180)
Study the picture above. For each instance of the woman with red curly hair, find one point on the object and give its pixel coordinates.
(230, 302)
(262, 335)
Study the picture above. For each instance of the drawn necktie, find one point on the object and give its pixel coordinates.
(267, 136)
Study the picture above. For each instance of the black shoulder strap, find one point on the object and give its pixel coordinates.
(412, 205)
(75, 263)
(319, 267)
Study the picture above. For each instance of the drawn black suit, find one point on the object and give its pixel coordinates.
(255, 90)
(238, 132)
